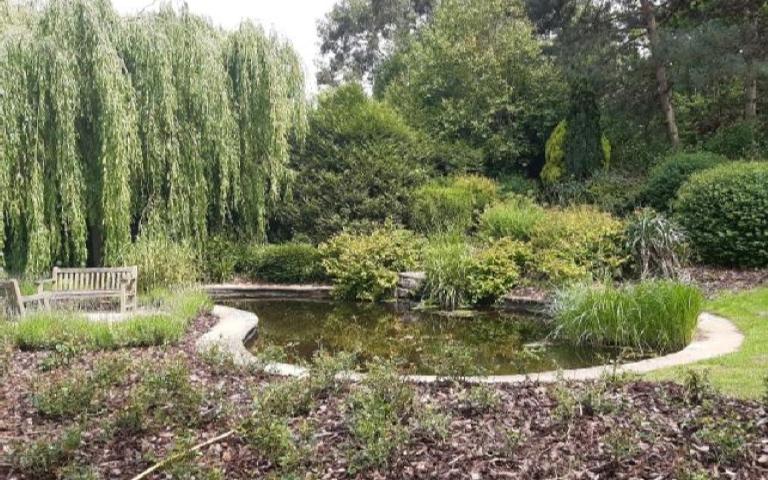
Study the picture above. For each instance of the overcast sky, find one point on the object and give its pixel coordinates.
(295, 20)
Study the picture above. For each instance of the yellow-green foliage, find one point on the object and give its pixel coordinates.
(575, 242)
(497, 268)
(365, 266)
(554, 153)
(459, 274)
(516, 218)
(483, 189)
(451, 207)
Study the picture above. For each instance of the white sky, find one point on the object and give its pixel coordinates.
(295, 20)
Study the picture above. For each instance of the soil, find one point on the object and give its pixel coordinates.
(608, 429)
(713, 280)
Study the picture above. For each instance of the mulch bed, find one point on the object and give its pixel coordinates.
(616, 429)
(714, 280)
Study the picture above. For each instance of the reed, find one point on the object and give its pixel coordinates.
(650, 315)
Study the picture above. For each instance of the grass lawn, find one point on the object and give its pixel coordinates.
(743, 373)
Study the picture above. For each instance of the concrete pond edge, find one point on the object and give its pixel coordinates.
(714, 337)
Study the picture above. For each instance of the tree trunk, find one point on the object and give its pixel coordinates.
(661, 72)
(750, 89)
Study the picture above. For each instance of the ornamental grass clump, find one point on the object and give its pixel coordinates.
(651, 315)
(515, 218)
(447, 264)
(657, 245)
(51, 330)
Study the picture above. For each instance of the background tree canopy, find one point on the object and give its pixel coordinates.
(477, 73)
(357, 35)
(106, 122)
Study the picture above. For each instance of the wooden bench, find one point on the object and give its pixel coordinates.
(12, 303)
(93, 283)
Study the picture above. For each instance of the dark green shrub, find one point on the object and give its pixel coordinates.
(725, 212)
(284, 263)
(220, 257)
(451, 208)
(449, 158)
(667, 177)
(736, 141)
(516, 184)
(613, 191)
(656, 315)
(358, 168)
(365, 266)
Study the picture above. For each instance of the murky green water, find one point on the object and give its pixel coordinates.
(498, 343)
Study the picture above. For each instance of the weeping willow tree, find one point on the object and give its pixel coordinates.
(266, 88)
(106, 122)
(188, 169)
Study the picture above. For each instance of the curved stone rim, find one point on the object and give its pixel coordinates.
(714, 337)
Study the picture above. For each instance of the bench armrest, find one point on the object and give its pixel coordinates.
(41, 284)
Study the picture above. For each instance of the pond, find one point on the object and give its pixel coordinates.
(498, 343)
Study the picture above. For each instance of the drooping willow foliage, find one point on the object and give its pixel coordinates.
(108, 122)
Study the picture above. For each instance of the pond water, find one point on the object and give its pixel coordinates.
(498, 343)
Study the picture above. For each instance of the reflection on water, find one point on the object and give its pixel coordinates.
(499, 343)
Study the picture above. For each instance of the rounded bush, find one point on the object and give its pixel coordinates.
(365, 266)
(516, 218)
(441, 209)
(451, 208)
(667, 177)
(725, 212)
(284, 263)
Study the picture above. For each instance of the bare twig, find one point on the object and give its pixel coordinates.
(183, 454)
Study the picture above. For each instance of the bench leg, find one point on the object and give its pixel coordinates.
(123, 299)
